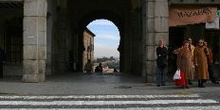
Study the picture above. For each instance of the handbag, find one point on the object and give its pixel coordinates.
(177, 76)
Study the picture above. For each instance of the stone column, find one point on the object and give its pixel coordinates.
(34, 36)
(157, 29)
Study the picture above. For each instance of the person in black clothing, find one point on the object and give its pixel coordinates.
(2, 59)
(99, 68)
(162, 53)
(210, 60)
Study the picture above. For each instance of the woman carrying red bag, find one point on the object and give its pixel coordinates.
(182, 81)
(185, 64)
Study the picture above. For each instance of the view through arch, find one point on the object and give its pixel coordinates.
(106, 42)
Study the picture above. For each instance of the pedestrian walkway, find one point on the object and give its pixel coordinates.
(108, 102)
(80, 91)
(81, 83)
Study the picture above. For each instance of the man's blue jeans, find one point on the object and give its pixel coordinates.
(161, 76)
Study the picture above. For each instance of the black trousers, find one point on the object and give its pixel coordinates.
(1, 70)
(211, 73)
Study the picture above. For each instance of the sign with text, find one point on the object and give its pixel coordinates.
(191, 15)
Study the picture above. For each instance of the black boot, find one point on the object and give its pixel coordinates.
(190, 82)
(186, 86)
(202, 82)
(199, 83)
(215, 82)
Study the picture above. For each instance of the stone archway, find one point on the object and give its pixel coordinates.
(128, 19)
(141, 24)
(74, 16)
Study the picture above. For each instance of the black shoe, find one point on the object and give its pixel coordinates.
(183, 86)
(201, 86)
(158, 85)
(190, 83)
(214, 82)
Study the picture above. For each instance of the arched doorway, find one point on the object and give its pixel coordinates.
(106, 43)
(67, 19)
(74, 16)
(104, 15)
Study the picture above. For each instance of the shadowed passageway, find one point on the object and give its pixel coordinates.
(96, 78)
(87, 78)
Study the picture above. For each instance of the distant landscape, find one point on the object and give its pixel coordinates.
(109, 64)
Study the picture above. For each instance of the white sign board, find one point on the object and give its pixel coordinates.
(212, 25)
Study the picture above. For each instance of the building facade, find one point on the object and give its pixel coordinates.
(48, 33)
(88, 42)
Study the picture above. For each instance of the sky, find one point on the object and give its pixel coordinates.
(106, 39)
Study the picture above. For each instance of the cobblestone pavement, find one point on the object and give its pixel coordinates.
(103, 92)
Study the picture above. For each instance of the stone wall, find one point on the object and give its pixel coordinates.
(34, 40)
(157, 29)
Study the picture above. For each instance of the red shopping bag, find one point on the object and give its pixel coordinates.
(182, 81)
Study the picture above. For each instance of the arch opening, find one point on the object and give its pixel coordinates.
(115, 20)
(106, 42)
(73, 20)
